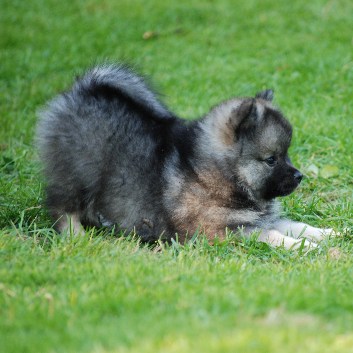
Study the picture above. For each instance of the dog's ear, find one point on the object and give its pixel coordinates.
(267, 95)
(228, 119)
(247, 110)
(246, 115)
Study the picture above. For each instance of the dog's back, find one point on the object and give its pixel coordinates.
(98, 143)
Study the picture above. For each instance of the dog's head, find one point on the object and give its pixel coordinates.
(251, 140)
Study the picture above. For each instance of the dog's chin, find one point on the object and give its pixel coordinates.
(287, 191)
(280, 191)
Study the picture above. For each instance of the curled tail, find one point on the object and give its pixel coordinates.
(113, 81)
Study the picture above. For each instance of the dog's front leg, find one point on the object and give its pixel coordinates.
(275, 238)
(302, 230)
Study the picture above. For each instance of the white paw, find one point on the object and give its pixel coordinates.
(306, 246)
(318, 234)
(330, 232)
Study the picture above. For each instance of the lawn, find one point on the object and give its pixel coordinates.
(102, 293)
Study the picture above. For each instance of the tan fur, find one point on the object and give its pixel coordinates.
(203, 206)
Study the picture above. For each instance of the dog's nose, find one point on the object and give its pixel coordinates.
(298, 176)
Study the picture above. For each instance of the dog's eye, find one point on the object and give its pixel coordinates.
(271, 161)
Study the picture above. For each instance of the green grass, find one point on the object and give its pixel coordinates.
(105, 294)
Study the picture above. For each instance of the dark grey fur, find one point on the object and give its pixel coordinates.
(115, 155)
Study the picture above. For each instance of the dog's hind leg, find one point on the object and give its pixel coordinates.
(69, 223)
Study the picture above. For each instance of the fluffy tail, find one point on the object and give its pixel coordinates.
(120, 81)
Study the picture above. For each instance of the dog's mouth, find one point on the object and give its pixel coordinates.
(288, 185)
(284, 189)
(288, 190)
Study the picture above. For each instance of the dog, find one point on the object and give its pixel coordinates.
(114, 155)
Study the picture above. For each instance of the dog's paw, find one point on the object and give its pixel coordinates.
(318, 234)
(306, 246)
(330, 232)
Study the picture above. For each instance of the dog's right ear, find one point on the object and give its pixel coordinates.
(228, 119)
(245, 116)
